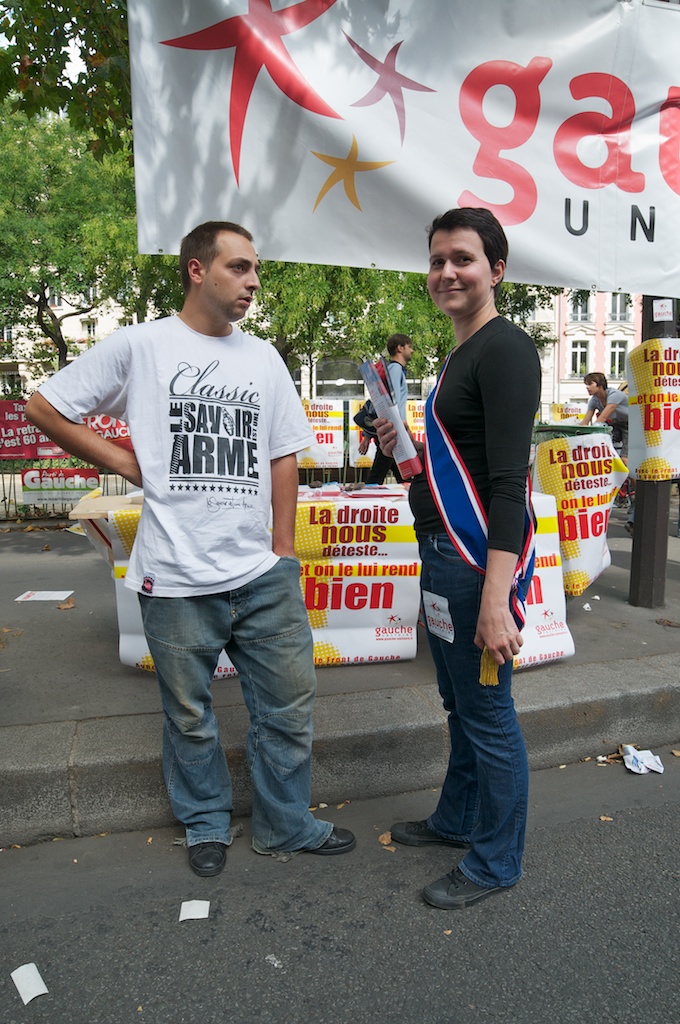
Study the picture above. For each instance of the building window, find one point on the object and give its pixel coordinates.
(5, 333)
(11, 385)
(580, 310)
(617, 362)
(89, 328)
(338, 378)
(579, 358)
(54, 299)
(620, 310)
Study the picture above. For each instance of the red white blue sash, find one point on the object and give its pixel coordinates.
(462, 512)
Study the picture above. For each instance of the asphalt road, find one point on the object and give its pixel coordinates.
(590, 934)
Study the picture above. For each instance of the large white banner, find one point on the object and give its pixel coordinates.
(337, 131)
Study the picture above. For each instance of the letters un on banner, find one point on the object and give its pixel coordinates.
(654, 409)
(335, 132)
(584, 474)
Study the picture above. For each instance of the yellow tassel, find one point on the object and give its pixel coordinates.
(488, 670)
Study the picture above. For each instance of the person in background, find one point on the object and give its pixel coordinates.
(215, 422)
(400, 351)
(475, 527)
(611, 406)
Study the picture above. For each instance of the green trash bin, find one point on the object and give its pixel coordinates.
(549, 431)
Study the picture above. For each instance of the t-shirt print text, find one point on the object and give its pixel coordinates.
(213, 428)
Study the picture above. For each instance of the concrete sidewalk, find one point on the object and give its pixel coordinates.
(80, 733)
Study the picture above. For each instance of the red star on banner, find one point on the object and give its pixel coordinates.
(256, 37)
(390, 82)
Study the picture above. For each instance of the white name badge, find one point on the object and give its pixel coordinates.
(438, 616)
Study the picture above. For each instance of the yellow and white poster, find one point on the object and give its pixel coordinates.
(584, 475)
(326, 420)
(546, 633)
(415, 418)
(654, 410)
(360, 575)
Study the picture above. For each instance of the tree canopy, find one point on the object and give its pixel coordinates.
(67, 228)
(70, 56)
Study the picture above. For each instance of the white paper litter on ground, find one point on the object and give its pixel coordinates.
(194, 910)
(28, 982)
(641, 761)
(44, 595)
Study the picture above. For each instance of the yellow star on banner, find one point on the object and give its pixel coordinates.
(345, 169)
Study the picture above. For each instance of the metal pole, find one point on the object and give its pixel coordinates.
(652, 501)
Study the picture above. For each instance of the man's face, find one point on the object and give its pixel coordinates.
(592, 388)
(460, 280)
(230, 282)
(407, 352)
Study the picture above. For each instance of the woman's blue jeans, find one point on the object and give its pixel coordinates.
(264, 629)
(485, 793)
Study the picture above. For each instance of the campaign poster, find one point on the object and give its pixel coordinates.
(20, 439)
(584, 475)
(111, 430)
(654, 410)
(50, 486)
(326, 418)
(415, 418)
(546, 634)
(359, 575)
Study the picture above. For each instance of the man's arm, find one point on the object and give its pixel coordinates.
(77, 439)
(587, 417)
(284, 502)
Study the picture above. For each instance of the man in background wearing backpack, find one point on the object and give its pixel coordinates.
(400, 351)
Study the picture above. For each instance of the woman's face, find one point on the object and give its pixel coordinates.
(460, 280)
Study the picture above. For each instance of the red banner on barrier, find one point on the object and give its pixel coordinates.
(20, 439)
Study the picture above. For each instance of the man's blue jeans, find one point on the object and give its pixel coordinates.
(485, 793)
(264, 629)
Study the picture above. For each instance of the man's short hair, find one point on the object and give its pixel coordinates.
(596, 378)
(201, 244)
(395, 340)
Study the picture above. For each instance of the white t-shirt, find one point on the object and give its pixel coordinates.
(206, 417)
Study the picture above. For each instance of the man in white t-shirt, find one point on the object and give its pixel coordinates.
(215, 423)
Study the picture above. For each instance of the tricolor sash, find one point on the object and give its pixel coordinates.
(462, 512)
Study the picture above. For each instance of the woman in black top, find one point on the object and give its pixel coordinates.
(483, 410)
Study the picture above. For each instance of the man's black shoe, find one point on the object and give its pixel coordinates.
(207, 859)
(456, 891)
(419, 833)
(341, 840)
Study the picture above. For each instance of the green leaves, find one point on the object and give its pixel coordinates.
(70, 56)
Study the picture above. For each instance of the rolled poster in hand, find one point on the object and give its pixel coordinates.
(404, 453)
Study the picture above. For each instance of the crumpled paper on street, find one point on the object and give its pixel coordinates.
(641, 761)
